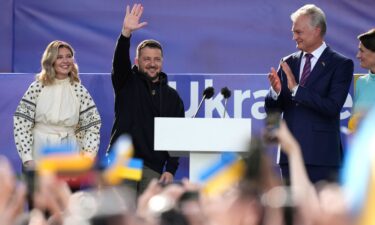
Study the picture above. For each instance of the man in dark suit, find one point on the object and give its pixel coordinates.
(310, 89)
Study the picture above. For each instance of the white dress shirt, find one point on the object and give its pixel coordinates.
(316, 54)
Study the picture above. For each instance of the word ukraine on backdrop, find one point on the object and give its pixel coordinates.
(246, 101)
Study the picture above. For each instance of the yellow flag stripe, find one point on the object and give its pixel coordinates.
(226, 178)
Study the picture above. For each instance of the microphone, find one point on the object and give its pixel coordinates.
(207, 94)
(226, 94)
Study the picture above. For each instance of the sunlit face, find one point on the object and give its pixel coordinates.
(307, 37)
(150, 62)
(64, 63)
(366, 57)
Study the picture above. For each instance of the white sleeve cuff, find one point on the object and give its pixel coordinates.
(274, 95)
(294, 90)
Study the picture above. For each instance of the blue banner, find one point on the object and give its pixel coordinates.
(246, 101)
(211, 36)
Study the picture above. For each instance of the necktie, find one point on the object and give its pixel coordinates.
(306, 69)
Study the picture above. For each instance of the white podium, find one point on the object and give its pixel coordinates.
(202, 139)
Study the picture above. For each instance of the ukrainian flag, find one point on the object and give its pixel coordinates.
(366, 217)
(62, 159)
(130, 170)
(122, 148)
(223, 174)
(358, 172)
(119, 163)
(133, 170)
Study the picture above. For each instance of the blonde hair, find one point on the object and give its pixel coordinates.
(48, 74)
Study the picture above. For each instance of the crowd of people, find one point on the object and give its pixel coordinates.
(259, 197)
(307, 91)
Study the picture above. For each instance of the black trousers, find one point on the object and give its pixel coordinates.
(315, 173)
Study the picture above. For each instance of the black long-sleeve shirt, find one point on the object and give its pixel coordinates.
(137, 102)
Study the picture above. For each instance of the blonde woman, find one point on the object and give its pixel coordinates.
(56, 109)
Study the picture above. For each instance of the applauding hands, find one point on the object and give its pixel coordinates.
(275, 79)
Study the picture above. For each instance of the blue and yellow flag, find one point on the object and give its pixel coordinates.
(366, 216)
(63, 159)
(358, 172)
(120, 165)
(223, 174)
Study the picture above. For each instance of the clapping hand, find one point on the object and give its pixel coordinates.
(289, 75)
(274, 80)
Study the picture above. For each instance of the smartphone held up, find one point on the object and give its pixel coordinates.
(272, 123)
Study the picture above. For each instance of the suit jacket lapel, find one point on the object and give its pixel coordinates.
(295, 63)
(320, 66)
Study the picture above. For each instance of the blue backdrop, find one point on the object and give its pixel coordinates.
(211, 36)
(247, 100)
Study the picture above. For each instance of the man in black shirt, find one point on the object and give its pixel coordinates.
(141, 94)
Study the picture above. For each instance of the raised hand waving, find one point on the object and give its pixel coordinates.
(131, 20)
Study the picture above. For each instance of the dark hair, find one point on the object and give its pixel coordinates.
(368, 39)
(150, 43)
(173, 217)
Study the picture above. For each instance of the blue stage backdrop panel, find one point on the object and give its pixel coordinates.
(6, 36)
(247, 100)
(214, 36)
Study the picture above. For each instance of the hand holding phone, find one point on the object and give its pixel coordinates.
(272, 123)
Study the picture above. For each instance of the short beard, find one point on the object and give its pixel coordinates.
(152, 79)
(155, 78)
